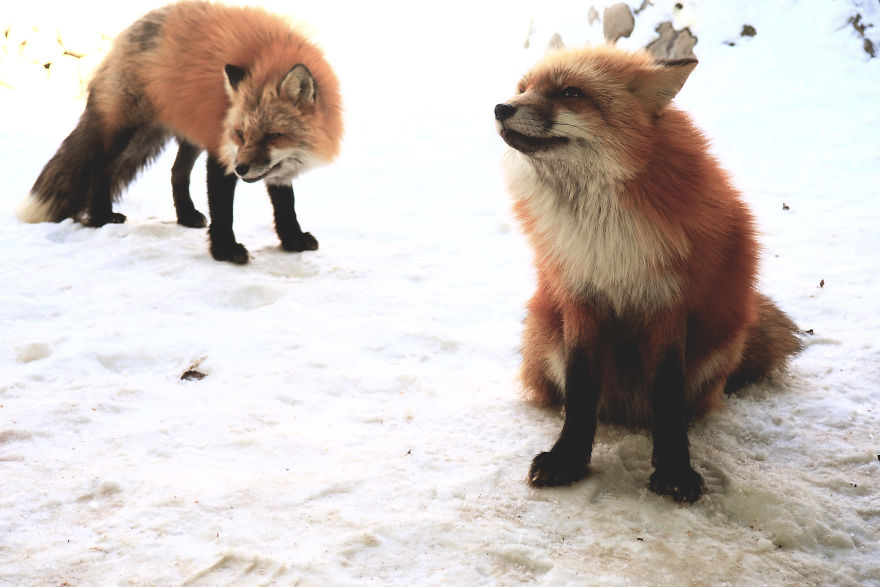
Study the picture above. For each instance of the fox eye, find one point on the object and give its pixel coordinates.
(239, 134)
(273, 135)
(572, 93)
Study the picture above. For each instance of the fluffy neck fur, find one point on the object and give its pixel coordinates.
(585, 227)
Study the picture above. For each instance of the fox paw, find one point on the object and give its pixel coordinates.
(193, 219)
(554, 468)
(233, 252)
(682, 484)
(303, 241)
(113, 218)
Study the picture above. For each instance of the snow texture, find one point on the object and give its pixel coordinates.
(359, 418)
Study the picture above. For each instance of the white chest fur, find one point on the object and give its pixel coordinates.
(599, 244)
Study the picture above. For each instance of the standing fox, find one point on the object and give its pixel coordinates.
(646, 308)
(237, 82)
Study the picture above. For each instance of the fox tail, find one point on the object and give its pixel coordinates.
(90, 170)
(771, 341)
(62, 189)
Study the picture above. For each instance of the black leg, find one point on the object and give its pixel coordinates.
(187, 215)
(100, 203)
(673, 474)
(221, 191)
(569, 458)
(286, 225)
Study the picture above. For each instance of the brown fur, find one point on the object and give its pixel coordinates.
(178, 81)
(646, 255)
(163, 78)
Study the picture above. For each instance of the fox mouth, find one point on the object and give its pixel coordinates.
(529, 144)
(263, 175)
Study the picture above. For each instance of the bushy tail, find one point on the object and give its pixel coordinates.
(90, 169)
(772, 339)
(62, 188)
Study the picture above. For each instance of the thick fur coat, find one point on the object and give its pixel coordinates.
(646, 260)
(238, 82)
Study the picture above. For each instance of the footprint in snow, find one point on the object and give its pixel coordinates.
(32, 351)
(159, 230)
(68, 231)
(239, 569)
(100, 490)
(10, 436)
(253, 296)
(122, 362)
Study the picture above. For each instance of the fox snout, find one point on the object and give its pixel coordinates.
(504, 111)
(252, 164)
(527, 128)
(274, 165)
(252, 172)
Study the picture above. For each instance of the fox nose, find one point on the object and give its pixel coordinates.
(242, 169)
(504, 111)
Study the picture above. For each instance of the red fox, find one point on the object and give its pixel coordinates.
(646, 259)
(237, 82)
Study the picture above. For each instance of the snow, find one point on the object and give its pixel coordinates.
(359, 420)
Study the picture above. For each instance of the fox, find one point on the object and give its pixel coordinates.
(241, 83)
(646, 310)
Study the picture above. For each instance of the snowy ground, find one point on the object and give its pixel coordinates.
(360, 421)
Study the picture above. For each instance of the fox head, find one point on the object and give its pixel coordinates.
(273, 129)
(591, 109)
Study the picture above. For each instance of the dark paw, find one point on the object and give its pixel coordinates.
(303, 241)
(113, 218)
(233, 252)
(554, 468)
(681, 484)
(192, 219)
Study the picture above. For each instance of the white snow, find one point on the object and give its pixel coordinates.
(360, 420)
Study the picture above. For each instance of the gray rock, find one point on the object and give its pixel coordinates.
(555, 43)
(672, 44)
(860, 28)
(645, 4)
(618, 21)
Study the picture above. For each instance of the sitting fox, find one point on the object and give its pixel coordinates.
(646, 307)
(237, 82)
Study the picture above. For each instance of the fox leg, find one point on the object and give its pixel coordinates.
(286, 225)
(187, 215)
(221, 191)
(569, 458)
(543, 350)
(100, 198)
(673, 474)
(128, 151)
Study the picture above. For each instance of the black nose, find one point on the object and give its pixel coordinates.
(504, 111)
(242, 168)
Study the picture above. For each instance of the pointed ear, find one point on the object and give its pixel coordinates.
(234, 75)
(298, 85)
(657, 86)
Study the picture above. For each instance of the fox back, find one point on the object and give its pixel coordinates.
(174, 58)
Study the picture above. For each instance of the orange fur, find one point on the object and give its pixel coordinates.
(182, 78)
(238, 82)
(643, 248)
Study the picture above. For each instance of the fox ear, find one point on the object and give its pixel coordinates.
(299, 85)
(657, 86)
(234, 75)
